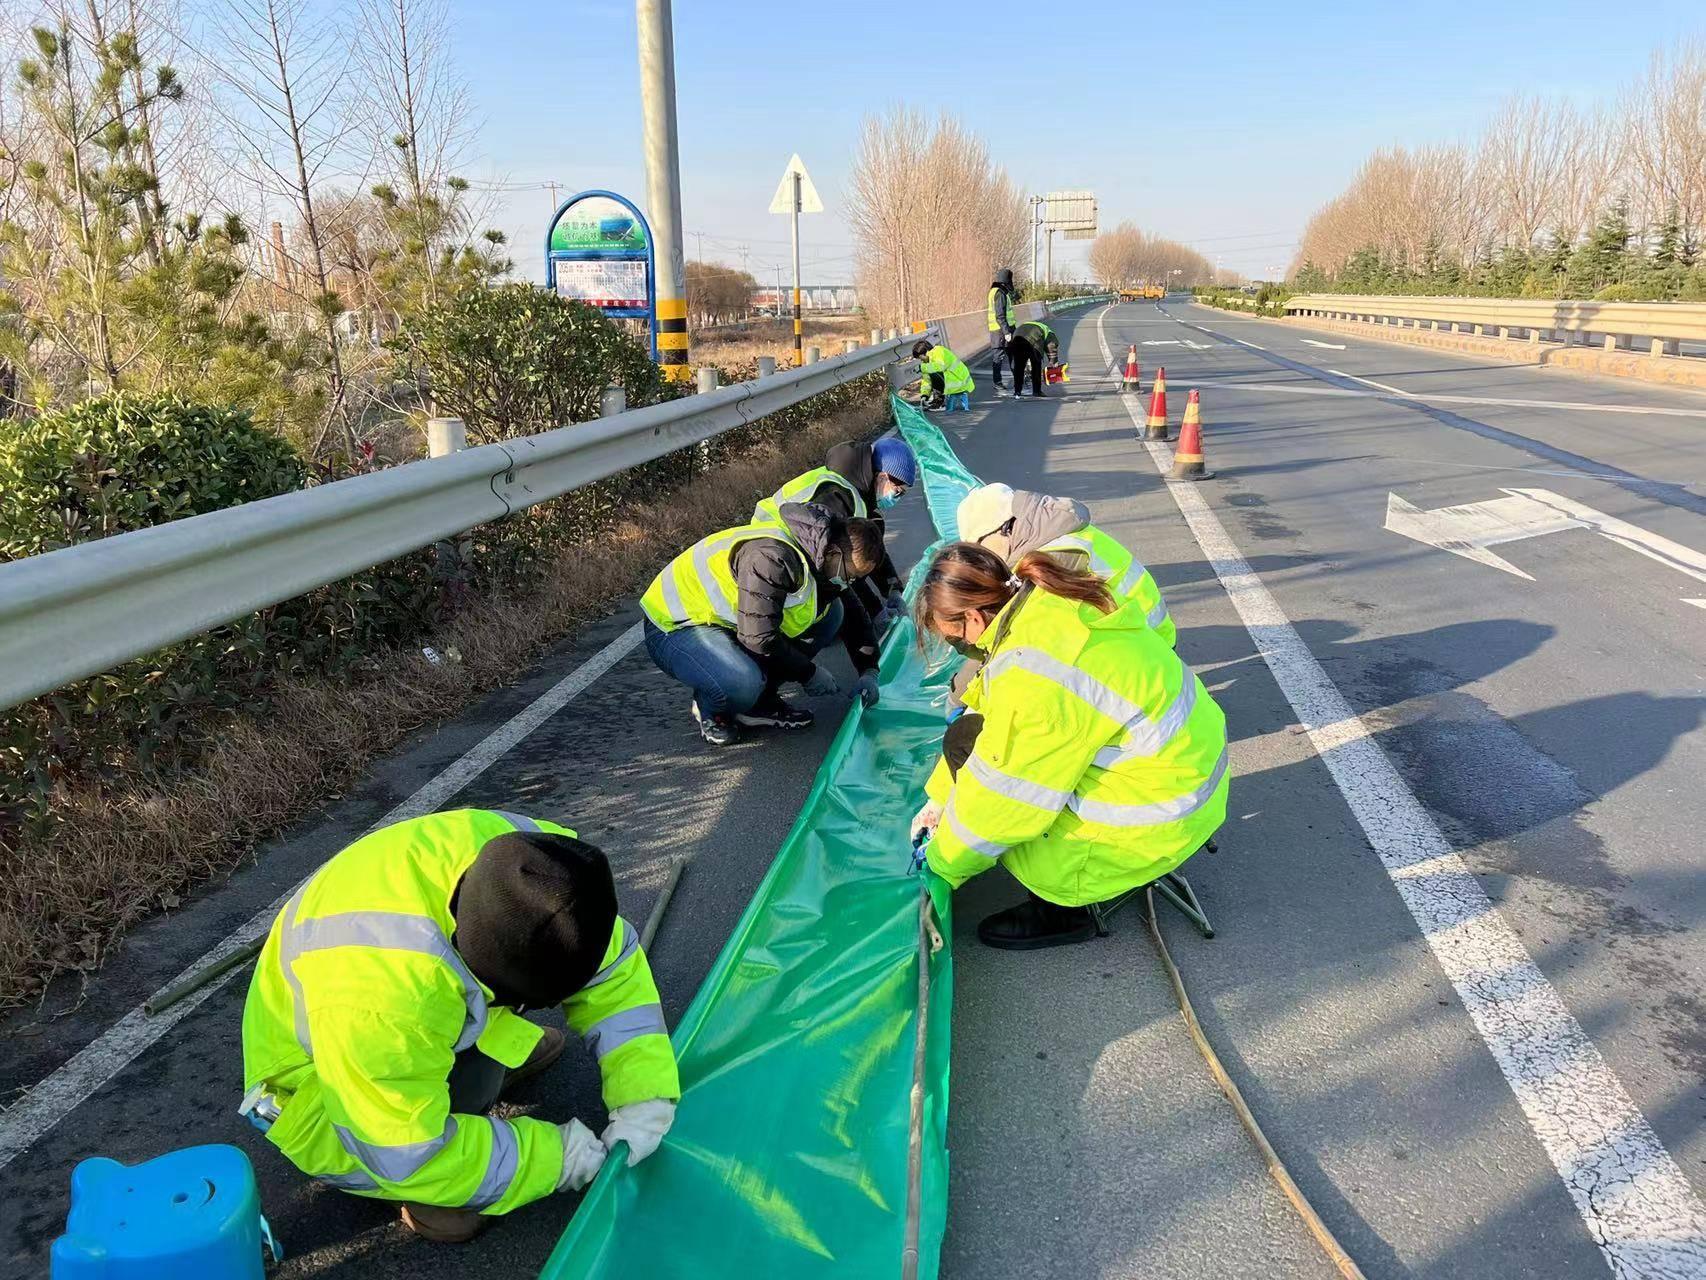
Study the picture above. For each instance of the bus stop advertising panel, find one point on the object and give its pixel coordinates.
(598, 250)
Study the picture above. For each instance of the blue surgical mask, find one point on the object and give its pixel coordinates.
(840, 584)
(888, 501)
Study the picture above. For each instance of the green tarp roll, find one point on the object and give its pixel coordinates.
(789, 1151)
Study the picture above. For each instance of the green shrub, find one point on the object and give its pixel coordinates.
(517, 360)
(1621, 293)
(116, 463)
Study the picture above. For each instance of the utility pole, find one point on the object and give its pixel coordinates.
(663, 181)
(1048, 262)
(794, 233)
(700, 237)
(552, 188)
(1036, 221)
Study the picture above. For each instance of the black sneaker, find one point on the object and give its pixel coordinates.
(932, 405)
(1035, 924)
(718, 730)
(773, 713)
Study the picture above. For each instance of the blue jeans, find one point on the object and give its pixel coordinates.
(724, 677)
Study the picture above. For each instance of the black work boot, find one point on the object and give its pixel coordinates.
(772, 713)
(719, 730)
(1035, 924)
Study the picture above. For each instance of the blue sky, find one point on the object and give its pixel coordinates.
(1221, 124)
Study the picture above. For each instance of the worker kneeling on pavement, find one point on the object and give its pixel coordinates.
(856, 482)
(384, 1018)
(1033, 343)
(1091, 759)
(1015, 522)
(941, 374)
(745, 611)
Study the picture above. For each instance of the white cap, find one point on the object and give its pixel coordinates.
(982, 511)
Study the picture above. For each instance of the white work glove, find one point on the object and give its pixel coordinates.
(924, 822)
(583, 1156)
(865, 689)
(823, 683)
(641, 1125)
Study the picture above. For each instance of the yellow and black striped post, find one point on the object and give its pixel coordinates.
(672, 339)
(799, 351)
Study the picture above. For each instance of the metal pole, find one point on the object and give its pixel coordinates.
(663, 181)
(794, 230)
(1036, 221)
(1048, 267)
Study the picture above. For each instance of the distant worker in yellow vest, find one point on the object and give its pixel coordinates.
(857, 481)
(383, 1021)
(745, 611)
(943, 379)
(1003, 297)
(1091, 760)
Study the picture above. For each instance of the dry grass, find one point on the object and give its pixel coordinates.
(125, 852)
(736, 345)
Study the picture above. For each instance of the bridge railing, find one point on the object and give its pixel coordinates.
(1661, 327)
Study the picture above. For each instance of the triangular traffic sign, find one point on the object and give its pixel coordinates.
(783, 201)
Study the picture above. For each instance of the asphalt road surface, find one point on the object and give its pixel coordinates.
(1521, 683)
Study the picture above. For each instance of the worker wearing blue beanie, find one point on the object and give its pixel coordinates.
(857, 481)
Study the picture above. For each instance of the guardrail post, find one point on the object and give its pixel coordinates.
(1610, 342)
(813, 355)
(876, 336)
(766, 366)
(1534, 337)
(850, 346)
(446, 435)
(1665, 347)
(1504, 332)
(612, 402)
(893, 334)
(707, 379)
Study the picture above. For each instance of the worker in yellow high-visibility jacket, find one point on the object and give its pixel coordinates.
(942, 375)
(1014, 522)
(1091, 759)
(384, 1018)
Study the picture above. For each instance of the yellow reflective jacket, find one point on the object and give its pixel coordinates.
(956, 378)
(1102, 760)
(698, 587)
(1127, 577)
(804, 489)
(359, 1005)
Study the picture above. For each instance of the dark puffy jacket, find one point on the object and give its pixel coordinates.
(852, 462)
(767, 571)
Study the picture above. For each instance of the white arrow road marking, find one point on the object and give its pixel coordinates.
(1637, 1204)
(1331, 346)
(1674, 554)
(1162, 342)
(1470, 529)
(1198, 346)
(1698, 604)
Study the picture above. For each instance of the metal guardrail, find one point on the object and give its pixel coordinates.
(84, 609)
(1618, 324)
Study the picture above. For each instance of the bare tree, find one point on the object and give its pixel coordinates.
(288, 103)
(932, 217)
(1667, 139)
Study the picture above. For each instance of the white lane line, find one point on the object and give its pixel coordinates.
(1253, 345)
(1639, 1208)
(1330, 346)
(1369, 382)
(115, 1048)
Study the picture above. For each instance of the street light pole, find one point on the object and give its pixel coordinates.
(663, 181)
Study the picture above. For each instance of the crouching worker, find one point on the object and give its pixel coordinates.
(1091, 759)
(942, 375)
(856, 482)
(745, 611)
(383, 1020)
(1014, 522)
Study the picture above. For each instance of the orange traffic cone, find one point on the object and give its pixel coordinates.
(1187, 458)
(1157, 426)
(1133, 370)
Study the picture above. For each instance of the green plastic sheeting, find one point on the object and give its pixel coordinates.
(789, 1151)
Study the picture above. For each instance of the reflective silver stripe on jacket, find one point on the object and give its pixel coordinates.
(609, 1034)
(500, 1167)
(720, 605)
(976, 843)
(382, 930)
(517, 821)
(1149, 815)
(396, 1163)
(353, 1181)
(1021, 789)
(1081, 685)
(1146, 739)
(1156, 616)
(630, 944)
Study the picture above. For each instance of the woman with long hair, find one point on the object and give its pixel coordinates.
(1091, 760)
